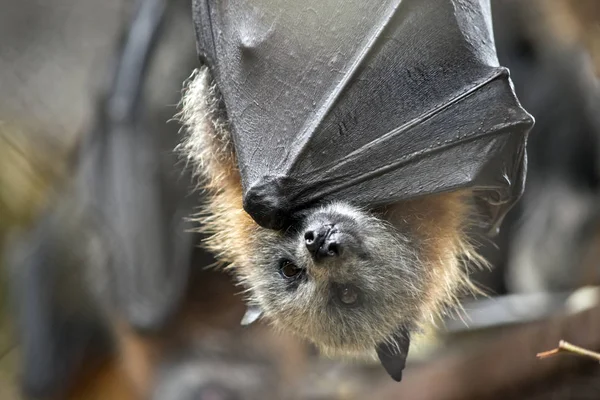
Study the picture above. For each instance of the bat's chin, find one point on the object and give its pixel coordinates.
(335, 338)
(338, 347)
(391, 347)
(373, 327)
(345, 352)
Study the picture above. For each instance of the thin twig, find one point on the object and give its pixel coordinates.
(548, 353)
(570, 348)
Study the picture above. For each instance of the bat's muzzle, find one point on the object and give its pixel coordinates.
(323, 242)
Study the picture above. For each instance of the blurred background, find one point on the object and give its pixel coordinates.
(87, 93)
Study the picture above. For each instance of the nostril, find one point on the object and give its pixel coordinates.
(322, 242)
(329, 248)
(309, 237)
(311, 241)
(333, 249)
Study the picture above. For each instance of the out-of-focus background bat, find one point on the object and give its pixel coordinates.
(88, 321)
(112, 244)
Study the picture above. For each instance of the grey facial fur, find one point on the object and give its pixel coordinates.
(376, 264)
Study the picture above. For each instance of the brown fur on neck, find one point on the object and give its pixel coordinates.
(440, 222)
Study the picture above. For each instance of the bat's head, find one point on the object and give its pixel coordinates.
(349, 281)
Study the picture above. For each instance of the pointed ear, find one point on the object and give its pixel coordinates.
(60, 329)
(393, 354)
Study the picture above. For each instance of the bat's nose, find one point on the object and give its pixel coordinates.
(323, 242)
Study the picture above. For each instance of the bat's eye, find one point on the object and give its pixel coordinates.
(289, 270)
(348, 294)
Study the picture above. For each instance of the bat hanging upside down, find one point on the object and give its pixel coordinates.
(350, 280)
(344, 169)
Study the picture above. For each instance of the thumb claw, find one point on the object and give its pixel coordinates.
(252, 314)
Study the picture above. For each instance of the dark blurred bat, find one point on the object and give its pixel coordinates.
(113, 245)
(139, 206)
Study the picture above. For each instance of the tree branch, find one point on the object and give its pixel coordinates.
(569, 348)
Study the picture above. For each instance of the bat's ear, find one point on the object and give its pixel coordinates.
(393, 353)
(59, 328)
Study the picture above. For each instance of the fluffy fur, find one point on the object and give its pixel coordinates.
(406, 259)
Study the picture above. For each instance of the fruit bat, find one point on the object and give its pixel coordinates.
(322, 108)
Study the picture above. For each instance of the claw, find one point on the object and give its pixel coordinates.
(252, 314)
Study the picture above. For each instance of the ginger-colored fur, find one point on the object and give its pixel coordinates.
(213, 157)
(438, 222)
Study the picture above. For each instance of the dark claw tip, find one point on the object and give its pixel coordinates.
(267, 204)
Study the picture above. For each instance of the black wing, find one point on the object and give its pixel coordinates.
(370, 101)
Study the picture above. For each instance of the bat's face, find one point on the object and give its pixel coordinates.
(341, 278)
